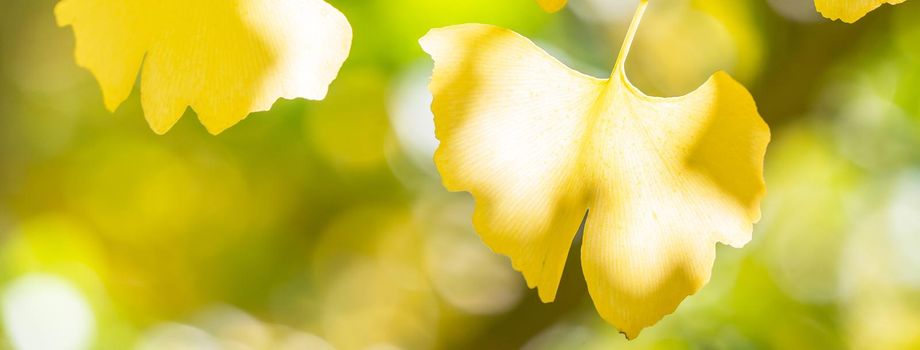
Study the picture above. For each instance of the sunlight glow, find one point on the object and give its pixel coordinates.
(47, 312)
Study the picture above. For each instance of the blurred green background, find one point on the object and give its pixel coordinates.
(321, 225)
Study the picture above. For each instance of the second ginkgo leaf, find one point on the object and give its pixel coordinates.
(224, 58)
(850, 10)
(658, 181)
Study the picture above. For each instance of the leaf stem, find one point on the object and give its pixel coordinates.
(630, 35)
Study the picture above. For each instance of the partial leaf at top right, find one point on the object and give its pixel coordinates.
(850, 10)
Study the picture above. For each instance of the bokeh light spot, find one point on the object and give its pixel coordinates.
(47, 312)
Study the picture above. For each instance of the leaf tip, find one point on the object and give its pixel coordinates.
(62, 14)
(427, 40)
(111, 104)
(159, 129)
(547, 294)
(551, 6)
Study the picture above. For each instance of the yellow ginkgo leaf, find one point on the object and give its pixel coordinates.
(539, 145)
(224, 58)
(850, 10)
(552, 5)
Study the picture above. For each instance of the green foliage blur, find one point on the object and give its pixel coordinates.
(322, 224)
